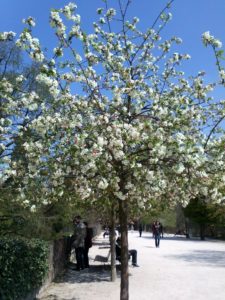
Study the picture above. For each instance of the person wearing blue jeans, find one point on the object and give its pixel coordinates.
(157, 228)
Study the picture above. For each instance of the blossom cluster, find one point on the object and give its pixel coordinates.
(209, 39)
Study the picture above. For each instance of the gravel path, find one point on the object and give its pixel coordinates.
(180, 269)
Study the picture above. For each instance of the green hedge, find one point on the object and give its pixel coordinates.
(23, 266)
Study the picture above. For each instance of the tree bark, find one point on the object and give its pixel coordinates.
(123, 215)
(113, 241)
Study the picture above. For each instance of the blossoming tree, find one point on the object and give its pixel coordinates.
(19, 105)
(125, 125)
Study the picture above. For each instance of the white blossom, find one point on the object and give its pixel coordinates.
(103, 184)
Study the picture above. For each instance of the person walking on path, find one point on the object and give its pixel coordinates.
(79, 241)
(156, 232)
(140, 228)
(87, 244)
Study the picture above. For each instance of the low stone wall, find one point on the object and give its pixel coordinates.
(59, 253)
(57, 261)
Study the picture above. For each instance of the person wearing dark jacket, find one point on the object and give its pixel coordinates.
(132, 253)
(156, 231)
(87, 244)
(78, 244)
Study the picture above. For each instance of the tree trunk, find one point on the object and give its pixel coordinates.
(123, 215)
(113, 242)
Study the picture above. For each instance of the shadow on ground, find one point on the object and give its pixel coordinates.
(96, 273)
(203, 257)
(54, 297)
(182, 238)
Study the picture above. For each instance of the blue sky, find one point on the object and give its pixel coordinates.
(190, 19)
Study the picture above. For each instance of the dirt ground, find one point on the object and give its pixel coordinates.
(179, 269)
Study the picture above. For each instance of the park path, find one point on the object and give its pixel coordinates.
(180, 269)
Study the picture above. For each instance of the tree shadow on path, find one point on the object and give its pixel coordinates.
(202, 257)
(174, 238)
(96, 273)
(54, 297)
(182, 238)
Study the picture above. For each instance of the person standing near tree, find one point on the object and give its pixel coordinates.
(87, 244)
(79, 241)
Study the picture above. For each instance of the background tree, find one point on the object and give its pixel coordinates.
(204, 214)
(198, 211)
(17, 110)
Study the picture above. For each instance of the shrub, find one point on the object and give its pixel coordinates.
(23, 266)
